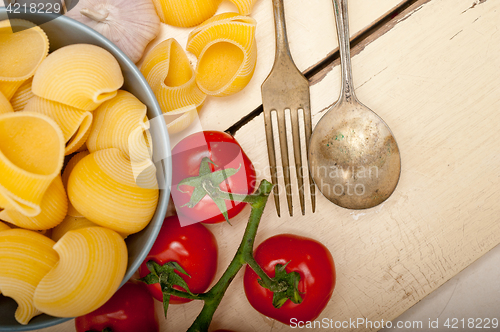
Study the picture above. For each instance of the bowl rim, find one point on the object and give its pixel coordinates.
(165, 162)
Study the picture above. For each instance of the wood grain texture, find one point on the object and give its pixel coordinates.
(434, 78)
(311, 32)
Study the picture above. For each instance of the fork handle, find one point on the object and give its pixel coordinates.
(282, 48)
(342, 20)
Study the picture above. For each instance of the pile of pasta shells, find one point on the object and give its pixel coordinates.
(226, 55)
(71, 147)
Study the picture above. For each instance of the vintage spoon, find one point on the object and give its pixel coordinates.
(353, 156)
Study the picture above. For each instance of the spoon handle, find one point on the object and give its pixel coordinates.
(342, 20)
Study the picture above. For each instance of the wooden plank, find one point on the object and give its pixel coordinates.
(434, 78)
(311, 32)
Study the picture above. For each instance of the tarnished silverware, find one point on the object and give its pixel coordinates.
(353, 155)
(286, 88)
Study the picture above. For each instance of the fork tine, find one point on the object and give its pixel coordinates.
(308, 130)
(272, 157)
(297, 153)
(286, 88)
(284, 158)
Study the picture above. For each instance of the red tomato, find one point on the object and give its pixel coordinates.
(225, 152)
(311, 259)
(130, 309)
(193, 247)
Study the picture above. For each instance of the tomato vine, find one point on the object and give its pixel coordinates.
(207, 184)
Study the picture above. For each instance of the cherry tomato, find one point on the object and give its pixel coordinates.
(130, 309)
(225, 152)
(193, 247)
(311, 259)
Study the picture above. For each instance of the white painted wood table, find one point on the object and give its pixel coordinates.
(433, 74)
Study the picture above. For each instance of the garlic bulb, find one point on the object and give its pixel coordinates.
(130, 25)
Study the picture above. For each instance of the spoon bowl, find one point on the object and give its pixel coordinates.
(353, 156)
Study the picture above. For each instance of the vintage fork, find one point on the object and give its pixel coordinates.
(286, 88)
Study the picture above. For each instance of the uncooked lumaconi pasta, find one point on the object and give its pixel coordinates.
(71, 223)
(227, 53)
(3, 226)
(42, 118)
(92, 264)
(180, 119)
(25, 258)
(8, 89)
(22, 95)
(171, 77)
(21, 53)
(31, 156)
(103, 189)
(81, 75)
(68, 224)
(5, 106)
(121, 123)
(185, 13)
(244, 6)
(68, 168)
(53, 209)
(74, 123)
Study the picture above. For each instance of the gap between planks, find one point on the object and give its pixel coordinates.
(358, 42)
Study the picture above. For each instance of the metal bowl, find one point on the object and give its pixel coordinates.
(63, 31)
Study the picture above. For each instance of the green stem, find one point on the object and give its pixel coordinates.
(271, 284)
(244, 255)
(250, 199)
(215, 294)
(186, 295)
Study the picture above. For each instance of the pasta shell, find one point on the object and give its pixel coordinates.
(180, 119)
(3, 226)
(31, 156)
(227, 53)
(5, 106)
(25, 258)
(171, 77)
(244, 6)
(121, 123)
(103, 189)
(222, 17)
(74, 123)
(65, 176)
(21, 53)
(70, 223)
(92, 264)
(81, 75)
(22, 95)
(53, 210)
(226, 25)
(185, 13)
(8, 89)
